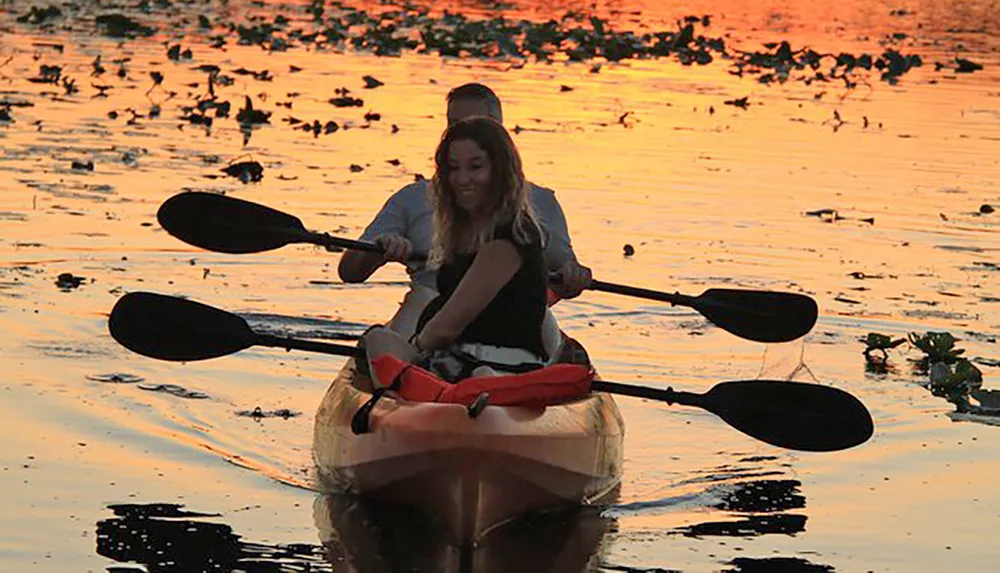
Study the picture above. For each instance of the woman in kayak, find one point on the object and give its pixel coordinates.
(487, 248)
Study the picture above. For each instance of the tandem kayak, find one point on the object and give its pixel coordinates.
(470, 475)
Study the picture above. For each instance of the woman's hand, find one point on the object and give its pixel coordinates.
(394, 247)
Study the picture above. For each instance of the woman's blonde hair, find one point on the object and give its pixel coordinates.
(508, 191)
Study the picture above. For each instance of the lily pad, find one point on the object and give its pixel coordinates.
(174, 390)
(965, 66)
(988, 399)
(121, 26)
(116, 378)
(67, 281)
(245, 171)
(258, 413)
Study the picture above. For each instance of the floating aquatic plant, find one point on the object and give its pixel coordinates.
(39, 16)
(937, 347)
(116, 378)
(964, 66)
(949, 376)
(119, 25)
(67, 281)
(245, 171)
(877, 347)
(47, 75)
(257, 413)
(577, 37)
(961, 378)
(176, 53)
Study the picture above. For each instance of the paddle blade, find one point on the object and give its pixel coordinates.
(228, 225)
(762, 316)
(793, 415)
(170, 328)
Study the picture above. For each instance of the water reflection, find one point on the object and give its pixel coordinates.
(166, 539)
(356, 537)
(761, 505)
(775, 565)
(374, 537)
(745, 509)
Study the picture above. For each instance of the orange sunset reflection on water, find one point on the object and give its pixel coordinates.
(642, 152)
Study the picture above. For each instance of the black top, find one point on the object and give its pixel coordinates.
(514, 317)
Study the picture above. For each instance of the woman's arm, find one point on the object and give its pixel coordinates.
(497, 262)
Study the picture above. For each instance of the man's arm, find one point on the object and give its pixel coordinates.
(560, 260)
(559, 248)
(357, 266)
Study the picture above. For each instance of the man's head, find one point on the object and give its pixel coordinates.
(473, 100)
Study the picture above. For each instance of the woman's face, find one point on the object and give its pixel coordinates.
(469, 173)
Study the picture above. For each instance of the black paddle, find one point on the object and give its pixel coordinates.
(791, 415)
(228, 225)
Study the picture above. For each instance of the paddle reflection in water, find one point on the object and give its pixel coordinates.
(746, 510)
(760, 505)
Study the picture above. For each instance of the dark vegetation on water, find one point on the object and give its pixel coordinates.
(945, 372)
(259, 413)
(576, 37)
(392, 30)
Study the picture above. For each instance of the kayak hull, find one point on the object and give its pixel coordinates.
(469, 475)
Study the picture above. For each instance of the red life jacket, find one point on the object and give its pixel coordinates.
(542, 387)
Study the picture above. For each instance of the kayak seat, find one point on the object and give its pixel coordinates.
(552, 337)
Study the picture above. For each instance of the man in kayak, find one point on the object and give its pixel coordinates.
(404, 227)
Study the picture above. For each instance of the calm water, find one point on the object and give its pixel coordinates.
(100, 474)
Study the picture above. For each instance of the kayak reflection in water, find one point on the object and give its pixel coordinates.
(368, 536)
(487, 249)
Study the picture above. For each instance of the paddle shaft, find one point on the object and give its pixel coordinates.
(672, 298)
(670, 396)
(306, 345)
(329, 240)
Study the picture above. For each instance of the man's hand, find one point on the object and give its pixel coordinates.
(571, 279)
(394, 247)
